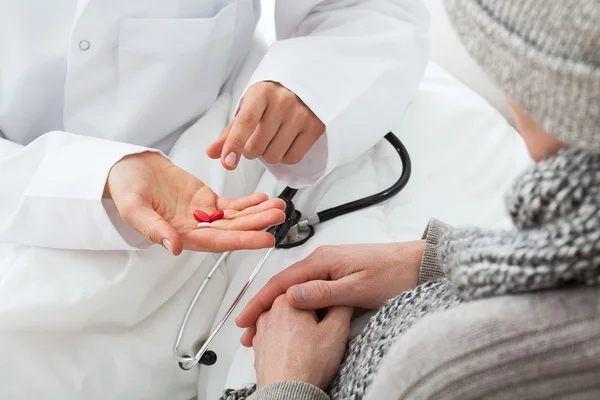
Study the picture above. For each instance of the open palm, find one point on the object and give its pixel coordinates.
(158, 199)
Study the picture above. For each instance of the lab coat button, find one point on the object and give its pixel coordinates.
(84, 45)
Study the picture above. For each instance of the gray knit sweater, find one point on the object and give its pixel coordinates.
(555, 244)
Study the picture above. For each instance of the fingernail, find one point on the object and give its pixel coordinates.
(231, 159)
(167, 244)
(299, 294)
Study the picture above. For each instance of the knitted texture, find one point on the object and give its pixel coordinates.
(555, 206)
(545, 55)
(366, 351)
(239, 394)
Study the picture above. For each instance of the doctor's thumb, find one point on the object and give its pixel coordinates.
(150, 224)
(315, 295)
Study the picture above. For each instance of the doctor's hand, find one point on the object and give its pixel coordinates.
(356, 275)
(272, 123)
(158, 199)
(292, 345)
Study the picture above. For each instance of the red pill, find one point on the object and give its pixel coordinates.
(201, 216)
(217, 216)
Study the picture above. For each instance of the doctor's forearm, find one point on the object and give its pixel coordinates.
(56, 182)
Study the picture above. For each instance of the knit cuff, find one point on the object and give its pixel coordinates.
(431, 267)
(289, 390)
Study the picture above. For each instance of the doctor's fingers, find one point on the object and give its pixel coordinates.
(265, 132)
(219, 241)
(144, 219)
(277, 204)
(215, 149)
(295, 121)
(252, 222)
(303, 143)
(280, 144)
(242, 203)
(244, 125)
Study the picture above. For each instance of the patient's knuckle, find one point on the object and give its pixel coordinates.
(321, 251)
(280, 302)
(323, 289)
(260, 324)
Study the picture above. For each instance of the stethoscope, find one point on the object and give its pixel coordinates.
(293, 232)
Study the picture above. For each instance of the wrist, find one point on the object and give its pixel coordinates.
(136, 163)
(408, 258)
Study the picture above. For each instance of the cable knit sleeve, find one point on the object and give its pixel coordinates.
(289, 390)
(431, 265)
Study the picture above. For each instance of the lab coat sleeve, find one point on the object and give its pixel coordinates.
(355, 63)
(51, 194)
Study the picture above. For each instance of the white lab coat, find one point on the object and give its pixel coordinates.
(84, 83)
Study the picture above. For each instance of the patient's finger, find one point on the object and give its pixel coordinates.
(246, 339)
(337, 321)
(303, 271)
(319, 294)
(218, 241)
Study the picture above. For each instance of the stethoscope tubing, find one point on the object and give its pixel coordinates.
(187, 363)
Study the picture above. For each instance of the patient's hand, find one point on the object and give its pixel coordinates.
(353, 275)
(292, 345)
(273, 123)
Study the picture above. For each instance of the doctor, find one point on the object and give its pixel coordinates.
(94, 92)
